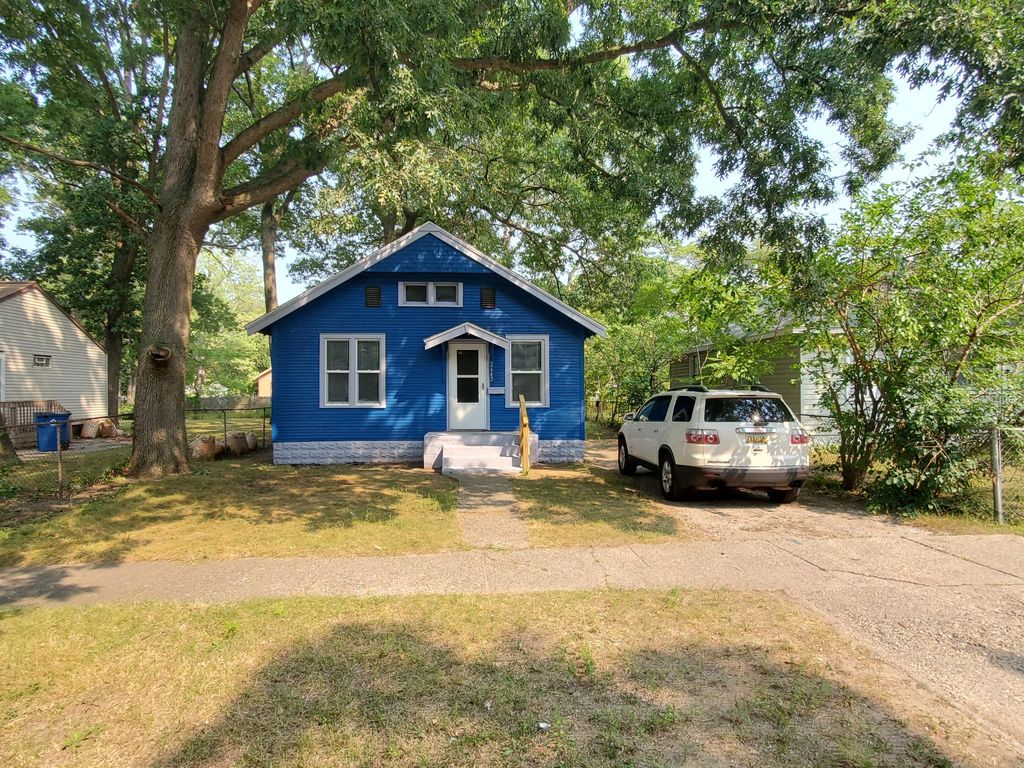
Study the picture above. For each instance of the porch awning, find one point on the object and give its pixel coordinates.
(465, 329)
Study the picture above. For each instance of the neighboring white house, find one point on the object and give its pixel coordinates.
(45, 354)
(789, 374)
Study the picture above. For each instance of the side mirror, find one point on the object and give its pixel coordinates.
(628, 417)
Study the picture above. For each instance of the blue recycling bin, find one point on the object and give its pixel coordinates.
(46, 433)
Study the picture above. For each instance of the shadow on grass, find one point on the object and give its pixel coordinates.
(387, 695)
(249, 491)
(585, 493)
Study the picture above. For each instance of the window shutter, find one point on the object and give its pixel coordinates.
(373, 295)
(488, 298)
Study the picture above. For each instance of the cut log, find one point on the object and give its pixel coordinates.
(237, 443)
(204, 447)
(90, 429)
(250, 439)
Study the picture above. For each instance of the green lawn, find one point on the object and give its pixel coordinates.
(233, 508)
(38, 478)
(585, 505)
(616, 679)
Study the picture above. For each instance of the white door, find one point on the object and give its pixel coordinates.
(467, 385)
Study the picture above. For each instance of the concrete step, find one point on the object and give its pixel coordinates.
(498, 465)
(479, 451)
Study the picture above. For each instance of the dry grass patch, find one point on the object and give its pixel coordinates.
(621, 678)
(586, 505)
(247, 508)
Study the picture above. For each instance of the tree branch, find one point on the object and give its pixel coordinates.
(225, 63)
(282, 116)
(252, 57)
(80, 164)
(284, 176)
(505, 64)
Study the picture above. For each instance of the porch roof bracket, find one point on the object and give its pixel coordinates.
(465, 329)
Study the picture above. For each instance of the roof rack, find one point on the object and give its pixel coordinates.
(759, 388)
(692, 388)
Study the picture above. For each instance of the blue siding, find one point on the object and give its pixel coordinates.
(416, 378)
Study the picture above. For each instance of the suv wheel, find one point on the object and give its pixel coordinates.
(627, 464)
(788, 496)
(667, 478)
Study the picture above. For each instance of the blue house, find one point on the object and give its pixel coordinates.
(422, 349)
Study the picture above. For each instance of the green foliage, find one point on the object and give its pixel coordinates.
(916, 314)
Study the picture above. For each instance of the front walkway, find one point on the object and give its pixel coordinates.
(486, 510)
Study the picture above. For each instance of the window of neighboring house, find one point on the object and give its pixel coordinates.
(528, 370)
(41, 361)
(430, 294)
(352, 368)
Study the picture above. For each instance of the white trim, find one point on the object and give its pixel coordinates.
(483, 376)
(353, 370)
(545, 377)
(3, 376)
(431, 292)
(465, 329)
(422, 231)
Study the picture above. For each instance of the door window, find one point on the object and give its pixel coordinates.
(655, 409)
(467, 375)
(683, 409)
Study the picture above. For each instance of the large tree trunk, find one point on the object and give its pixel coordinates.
(160, 445)
(269, 224)
(114, 344)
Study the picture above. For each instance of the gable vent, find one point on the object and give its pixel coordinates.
(373, 295)
(488, 298)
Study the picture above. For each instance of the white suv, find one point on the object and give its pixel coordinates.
(696, 438)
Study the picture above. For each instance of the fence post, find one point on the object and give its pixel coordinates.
(997, 474)
(264, 428)
(224, 414)
(60, 458)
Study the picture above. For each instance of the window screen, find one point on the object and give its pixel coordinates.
(527, 369)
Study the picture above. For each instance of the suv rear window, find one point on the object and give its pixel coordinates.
(754, 409)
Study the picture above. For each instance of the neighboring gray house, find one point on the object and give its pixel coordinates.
(788, 376)
(45, 354)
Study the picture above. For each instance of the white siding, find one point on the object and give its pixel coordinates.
(30, 325)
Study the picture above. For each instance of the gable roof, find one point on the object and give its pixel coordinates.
(10, 290)
(465, 329)
(444, 236)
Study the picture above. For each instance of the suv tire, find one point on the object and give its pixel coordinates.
(668, 480)
(788, 496)
(627, 464)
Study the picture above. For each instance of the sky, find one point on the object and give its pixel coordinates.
(920, 109)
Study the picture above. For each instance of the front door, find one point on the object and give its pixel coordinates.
(467, 385)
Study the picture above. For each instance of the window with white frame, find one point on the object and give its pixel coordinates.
(527, 364)
(429, 294)
(41, 361)
(352, 371)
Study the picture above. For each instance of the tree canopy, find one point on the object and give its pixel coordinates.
(572, 132)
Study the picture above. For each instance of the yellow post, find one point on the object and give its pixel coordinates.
(524, 436)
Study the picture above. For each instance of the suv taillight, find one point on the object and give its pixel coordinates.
(702, 437)
(799, 437)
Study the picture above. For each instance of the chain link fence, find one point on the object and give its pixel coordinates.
(220, 422)
(1006, 447)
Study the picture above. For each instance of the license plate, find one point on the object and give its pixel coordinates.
(757, 439)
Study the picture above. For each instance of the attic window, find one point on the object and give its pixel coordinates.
(430, 294)
(373, 295)
(41, 361)
(488, 298)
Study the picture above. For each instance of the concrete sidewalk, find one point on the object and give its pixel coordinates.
(795, 566)
(948, 610)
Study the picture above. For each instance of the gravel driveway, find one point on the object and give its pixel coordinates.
(963, 640)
